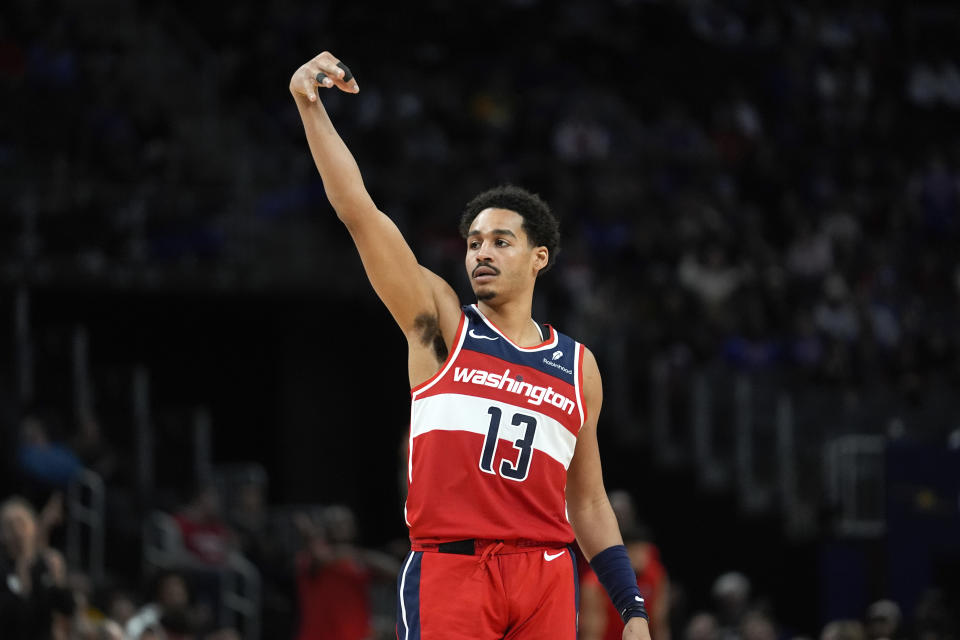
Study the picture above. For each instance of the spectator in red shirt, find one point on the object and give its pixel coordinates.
(334, 578)
(205, 534)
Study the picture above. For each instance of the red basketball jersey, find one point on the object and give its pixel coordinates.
(492, 435)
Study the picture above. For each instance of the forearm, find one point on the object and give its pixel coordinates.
(599, 536)
(595, 525)
(338, 168)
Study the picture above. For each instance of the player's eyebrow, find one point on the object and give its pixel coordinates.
(496, 232)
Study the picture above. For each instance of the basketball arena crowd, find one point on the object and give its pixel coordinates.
(764, 188)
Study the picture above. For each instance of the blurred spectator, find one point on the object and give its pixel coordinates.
(51, 517)
(259, 541)
(757, 625)
(208, 542)
(248, 520)
(623, 507)
(835, 314)
(109, 630)
(63, 610)
(935, 190)
(709, 275)
(843, 630)
(120, 607)
(702, 626)
(170, 610)
(33, 593)
(883, 620)
(810, 254)
(334, 577)
(85, 619)
(731, 595)
(92, 449)
(45, 464)
(581, 138)
(206, 535)
(933, 619)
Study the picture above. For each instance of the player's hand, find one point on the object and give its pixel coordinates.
(636, 629)
(325, 70)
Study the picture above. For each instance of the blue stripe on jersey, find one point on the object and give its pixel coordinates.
(576, 586)
(557, 361)
(408, 598)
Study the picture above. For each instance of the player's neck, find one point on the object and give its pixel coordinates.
(514, 320)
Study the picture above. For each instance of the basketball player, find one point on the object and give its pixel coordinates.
(504, 467)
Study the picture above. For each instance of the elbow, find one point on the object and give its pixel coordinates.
(350, 217)
(350, 206)
(345, 215)
(587, 505)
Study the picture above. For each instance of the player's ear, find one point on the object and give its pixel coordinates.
(541, 256)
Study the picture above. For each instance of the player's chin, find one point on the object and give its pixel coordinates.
(485, 294)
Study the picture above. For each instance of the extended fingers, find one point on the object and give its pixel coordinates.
(343, 73)
(347, 76)
(332, 72)
(325, 70)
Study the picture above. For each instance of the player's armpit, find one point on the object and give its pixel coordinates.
(431, 338)
(447, 304)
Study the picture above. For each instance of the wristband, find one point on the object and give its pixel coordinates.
(613, 569)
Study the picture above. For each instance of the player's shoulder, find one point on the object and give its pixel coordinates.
(587, 354)
(550, 331)
(589, 360)
(590, 370)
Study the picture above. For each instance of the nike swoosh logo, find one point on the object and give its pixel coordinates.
(474, 334)
(548, 557)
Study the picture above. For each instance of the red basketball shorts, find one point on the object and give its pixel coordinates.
(502, 592)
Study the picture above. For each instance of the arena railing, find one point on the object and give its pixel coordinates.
(85, 508)
(855, 483)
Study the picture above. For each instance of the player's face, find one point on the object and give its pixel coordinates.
(499, 258)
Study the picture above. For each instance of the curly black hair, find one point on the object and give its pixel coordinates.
(539, 223)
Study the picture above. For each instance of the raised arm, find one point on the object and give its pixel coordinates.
(422, 304)
(588, 508)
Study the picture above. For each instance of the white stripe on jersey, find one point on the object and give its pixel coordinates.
(457, 412)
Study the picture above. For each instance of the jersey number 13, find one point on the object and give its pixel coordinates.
(511, 469)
